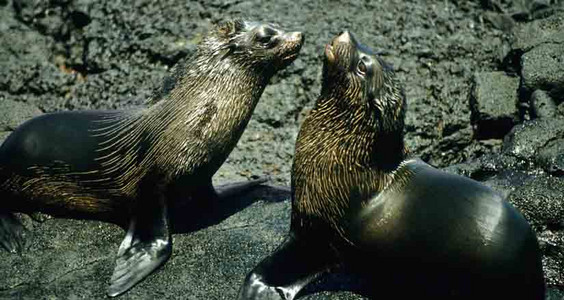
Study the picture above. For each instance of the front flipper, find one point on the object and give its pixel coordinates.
(147, 245)
(283, 274)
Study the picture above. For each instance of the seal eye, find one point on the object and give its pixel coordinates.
(264, 35)
(264, 39)
(361, 68)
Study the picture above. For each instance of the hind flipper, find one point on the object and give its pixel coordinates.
(146, 246)
(236, 188)
(12, 233)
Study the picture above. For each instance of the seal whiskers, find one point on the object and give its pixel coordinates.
(128, 167)
(400, 226)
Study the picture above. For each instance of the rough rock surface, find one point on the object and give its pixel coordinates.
(78, 54)
(493, 104)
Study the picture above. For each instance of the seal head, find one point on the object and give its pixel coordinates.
(262, 47)
(401, 226)
(354, 134)
(133, 167)
(355, 74)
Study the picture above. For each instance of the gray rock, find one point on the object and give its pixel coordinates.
(542, 105)
(493, 104)
(543, 68)
(543, 31)
(551, 157)
(541, 200)
(12, 113)
(61, 55)
(502, 22)
(527, 139)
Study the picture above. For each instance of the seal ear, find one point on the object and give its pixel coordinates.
(229, 28)
(229, 49)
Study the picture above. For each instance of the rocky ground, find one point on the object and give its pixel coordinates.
(484, 81)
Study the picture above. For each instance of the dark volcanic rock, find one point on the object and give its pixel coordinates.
(66, 55)
(541, 200)
(543, 68)
(527, 139)
(12, 114)
(493, 104)
(543, 31)
(538, 48)
(542, 105)
(540, 142)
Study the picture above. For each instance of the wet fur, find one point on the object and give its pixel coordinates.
(195, 120)
(346, 139)
(402, 227)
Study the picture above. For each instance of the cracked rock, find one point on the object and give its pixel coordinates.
(493, 104)
(527, 139)
(541, 200)
(543, 68)
(542, 105)
(543, 31)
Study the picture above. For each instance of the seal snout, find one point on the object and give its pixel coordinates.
(343, 37)
(294, 41)
(295, 37)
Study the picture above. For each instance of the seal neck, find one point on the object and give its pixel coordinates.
(201, 118)
(341, 161)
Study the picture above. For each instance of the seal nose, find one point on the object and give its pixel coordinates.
(343, 37)
(296, 36)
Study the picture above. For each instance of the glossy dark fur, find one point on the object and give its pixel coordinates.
(130, 167)
(401, 227)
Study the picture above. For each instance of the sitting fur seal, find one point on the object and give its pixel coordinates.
(128, 167)
(400, 226)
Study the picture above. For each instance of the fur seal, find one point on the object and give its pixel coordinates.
(400, 226)
(129, 167)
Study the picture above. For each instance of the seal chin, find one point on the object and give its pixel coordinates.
(330, 53)
(331, 49)
(294, 42)
(290, 57)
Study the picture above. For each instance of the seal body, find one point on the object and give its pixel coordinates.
(129, 167)
(399, 226)
(447, 236)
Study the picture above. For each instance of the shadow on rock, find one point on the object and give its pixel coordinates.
(198, 215)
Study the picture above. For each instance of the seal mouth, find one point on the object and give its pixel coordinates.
(342, 38)
(291, 56)
(295, 42)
